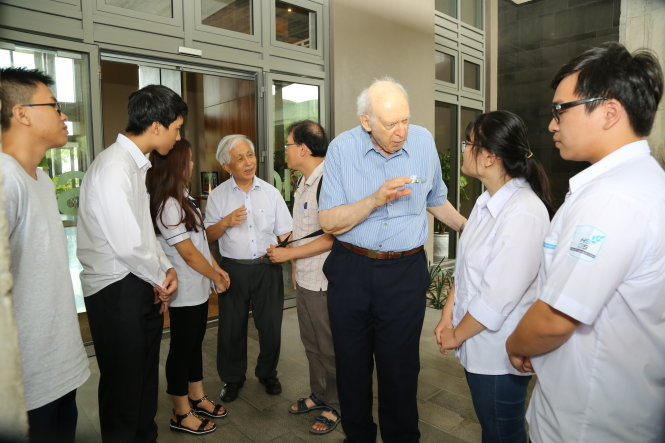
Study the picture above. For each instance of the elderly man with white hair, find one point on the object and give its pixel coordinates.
(379, 179)
(247, 215)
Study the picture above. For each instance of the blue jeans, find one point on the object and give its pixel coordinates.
(500, 404)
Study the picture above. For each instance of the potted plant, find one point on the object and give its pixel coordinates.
(441, 237)
(441, 280)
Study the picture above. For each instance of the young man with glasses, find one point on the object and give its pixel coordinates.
(596, 336)
(53, 361)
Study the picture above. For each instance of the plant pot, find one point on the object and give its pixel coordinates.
(441, 242)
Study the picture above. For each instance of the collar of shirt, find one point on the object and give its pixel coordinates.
(495, 203)
(625, 153)
(234, 185)
(316, 173)
(139, 157)
(369, 146)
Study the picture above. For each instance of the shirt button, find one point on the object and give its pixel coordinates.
(250, 226)
(385, 223)
(380, 246)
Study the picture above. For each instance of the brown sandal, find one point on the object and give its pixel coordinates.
(177, 426)
(215, 412)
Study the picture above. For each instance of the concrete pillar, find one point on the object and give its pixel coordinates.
(641, 26)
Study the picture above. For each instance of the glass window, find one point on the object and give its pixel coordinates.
(233, 15)
(471, 75)
(445, 136)
(472, 13)
(444, 66)
(295, 25)
(65, 165)
(448, 7)
(163, 8)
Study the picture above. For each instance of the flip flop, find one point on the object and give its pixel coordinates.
(331, 425)
(302, 405)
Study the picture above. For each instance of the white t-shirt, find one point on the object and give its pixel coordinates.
(495, 278)
(604, 265)
(193, 288)
(267, 217)
(53, 359)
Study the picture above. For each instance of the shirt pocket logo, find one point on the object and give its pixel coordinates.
(586, 243)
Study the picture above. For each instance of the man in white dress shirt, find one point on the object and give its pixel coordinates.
(53, 361)
(247, 215)
(596, 336)
(127, 279)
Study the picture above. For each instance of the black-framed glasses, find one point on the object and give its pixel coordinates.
(557, 107)
(286, 145)
(55, 105)
(464, 144)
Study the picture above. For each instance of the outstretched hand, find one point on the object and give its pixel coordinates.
(390, 190)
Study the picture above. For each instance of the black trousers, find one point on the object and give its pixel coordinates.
(126, 328)
(376, 309)
(185, 361)
(263, 285)
(54, 422)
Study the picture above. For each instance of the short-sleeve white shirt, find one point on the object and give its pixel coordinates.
(604, 265)
(497, 265)
(309, 270)
(193, 288)
(267, 217)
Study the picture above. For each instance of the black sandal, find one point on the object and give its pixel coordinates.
(302, 405)
(177, 426)
(215, 412)
(331, 424)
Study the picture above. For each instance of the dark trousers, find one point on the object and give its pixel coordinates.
(376, 309)
(54, 422)
(500, 404)
(126, 328)
(185, 361)
(263, 285)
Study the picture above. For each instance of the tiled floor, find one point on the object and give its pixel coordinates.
(446, 413)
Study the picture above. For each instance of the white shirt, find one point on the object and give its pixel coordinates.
(267, 217)
(115, 231)
(309, 271)
(193, 288)
(53, 361)
(604, 266)
(497, 266)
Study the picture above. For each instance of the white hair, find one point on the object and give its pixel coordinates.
(227, 144)
(364, 103)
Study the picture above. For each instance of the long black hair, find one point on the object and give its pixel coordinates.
(168, 178)
(505, 135)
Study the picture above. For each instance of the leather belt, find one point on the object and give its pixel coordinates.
(379, 255)
(253, 261)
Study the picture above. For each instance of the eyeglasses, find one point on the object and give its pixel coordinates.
(286, 146)
(464, 144)
(559, 106)
(55, 105)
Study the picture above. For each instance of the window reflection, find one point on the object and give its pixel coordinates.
(471, 75)
(472, 12)
(474, 187)
(233, 15)
(444, 66)
(448, 7)
(295, 25)
(163, 8)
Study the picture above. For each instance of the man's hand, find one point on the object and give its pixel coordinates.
(389, 191)
(161, 298)
(235, 218)
(278, 255)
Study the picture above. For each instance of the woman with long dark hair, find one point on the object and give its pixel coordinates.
(497, 264)
(179, 227)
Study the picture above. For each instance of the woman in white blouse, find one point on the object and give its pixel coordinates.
(497, 265)
(179, 227)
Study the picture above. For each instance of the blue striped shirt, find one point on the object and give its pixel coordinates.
(354, 169)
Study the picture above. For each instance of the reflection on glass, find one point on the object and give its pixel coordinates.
(448, 7)
(163, 8)
(293, 102)
(65, 165)
(444, 66)
(233, 15)
(475, 187)
(295, 25)
(472, 13)
(471, 75)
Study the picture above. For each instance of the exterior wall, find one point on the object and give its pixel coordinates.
(641, 26)
(535, 40)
